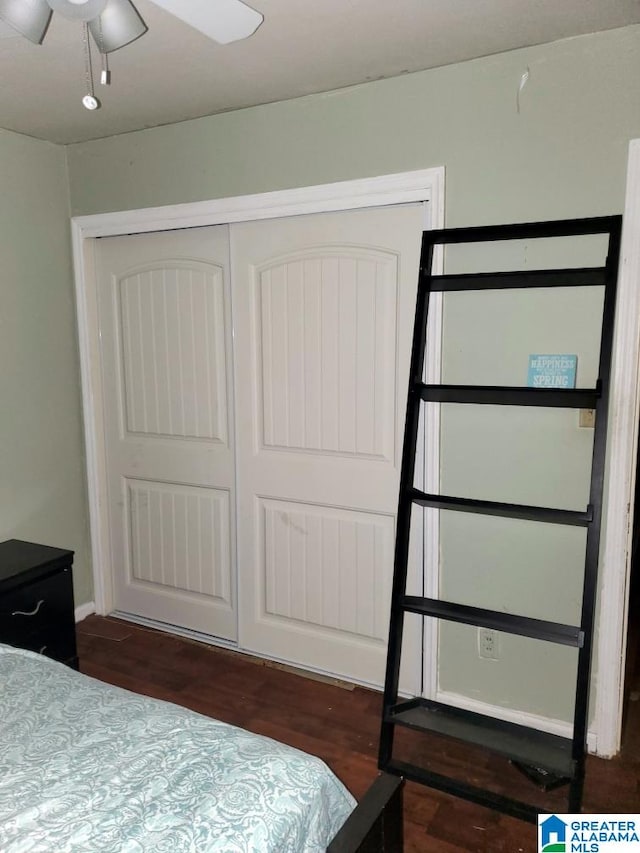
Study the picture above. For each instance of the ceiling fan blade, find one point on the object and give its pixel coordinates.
(223, 21)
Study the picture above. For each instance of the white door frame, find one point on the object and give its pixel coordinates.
(619, 497)
(406, 187)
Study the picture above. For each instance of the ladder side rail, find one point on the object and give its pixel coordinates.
(407, 473)
(594, 530)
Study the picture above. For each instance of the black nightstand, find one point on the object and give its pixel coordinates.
(36, 600)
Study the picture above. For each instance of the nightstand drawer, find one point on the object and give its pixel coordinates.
(52, 641)
(46, 602)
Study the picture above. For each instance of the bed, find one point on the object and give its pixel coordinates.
(85, 766)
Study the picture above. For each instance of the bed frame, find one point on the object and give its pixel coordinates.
(375, 825)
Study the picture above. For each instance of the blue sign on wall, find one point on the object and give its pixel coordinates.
(552, 371)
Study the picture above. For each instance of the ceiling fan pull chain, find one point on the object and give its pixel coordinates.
(90, 102)
(105, 74)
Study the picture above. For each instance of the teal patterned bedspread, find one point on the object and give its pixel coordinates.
(90, 768)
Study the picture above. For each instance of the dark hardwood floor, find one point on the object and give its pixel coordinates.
(341, 725)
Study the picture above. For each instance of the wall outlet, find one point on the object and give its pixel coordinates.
(488, 643)
(587, 418)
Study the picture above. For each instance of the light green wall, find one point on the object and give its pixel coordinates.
(538, 457)
(42, 483)
(562, 155)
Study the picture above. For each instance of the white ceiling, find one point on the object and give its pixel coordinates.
(175, 73)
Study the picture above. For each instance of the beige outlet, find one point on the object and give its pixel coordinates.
(587, 418)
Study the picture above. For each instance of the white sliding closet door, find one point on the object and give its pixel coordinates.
(323, 313)
(164, 313)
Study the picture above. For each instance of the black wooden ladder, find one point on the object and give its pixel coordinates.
(562, 758)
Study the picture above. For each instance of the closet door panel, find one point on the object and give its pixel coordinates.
(323, 309)
(165, 329)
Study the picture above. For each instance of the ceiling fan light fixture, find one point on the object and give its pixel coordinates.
(118, 25)
(29, 17)
(78, 10)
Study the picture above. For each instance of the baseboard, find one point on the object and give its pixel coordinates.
(511, 715)
(307, 671)
(84, 610)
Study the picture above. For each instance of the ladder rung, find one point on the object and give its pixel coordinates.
(506, 510)
(458, 788)
(519, 743)
(538, 629)
(500, 395)
(585, 277)
(524, 230)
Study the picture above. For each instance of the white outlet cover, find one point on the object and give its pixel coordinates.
(488, 644)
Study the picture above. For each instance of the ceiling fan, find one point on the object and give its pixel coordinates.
(116, 23)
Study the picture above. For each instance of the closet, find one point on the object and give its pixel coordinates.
(254, 398)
